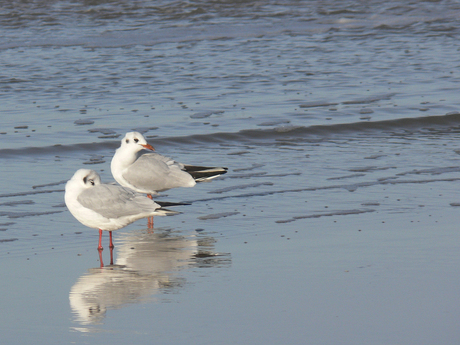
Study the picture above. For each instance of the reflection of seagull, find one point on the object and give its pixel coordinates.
(146, 263)
(105, 206)
(155, 253)
(151, 173)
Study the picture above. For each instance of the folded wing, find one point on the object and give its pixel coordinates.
(113, 201)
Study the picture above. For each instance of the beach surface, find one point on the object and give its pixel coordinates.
(337, 222)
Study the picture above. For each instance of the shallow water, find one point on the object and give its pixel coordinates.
(336, 223)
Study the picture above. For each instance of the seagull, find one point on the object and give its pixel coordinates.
(107, 206)
(151, 172)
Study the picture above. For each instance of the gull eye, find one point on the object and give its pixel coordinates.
(136, 140)
(127, 141)
(86, 180)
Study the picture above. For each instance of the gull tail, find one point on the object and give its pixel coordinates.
(165, 212)
(171, 204)
(202, 174)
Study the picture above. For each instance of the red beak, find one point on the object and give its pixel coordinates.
(148, 147)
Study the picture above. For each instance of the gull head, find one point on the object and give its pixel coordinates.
(83, 179)
(135, 141)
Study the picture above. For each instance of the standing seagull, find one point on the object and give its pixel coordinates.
(151, 172)
(106, 206)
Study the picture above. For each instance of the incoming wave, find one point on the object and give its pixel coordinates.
(420, 125)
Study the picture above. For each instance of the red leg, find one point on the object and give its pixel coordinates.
(111, 246)
(150, 219)
(111, 256)
(100, 258)
(100, 241)
(111, 243)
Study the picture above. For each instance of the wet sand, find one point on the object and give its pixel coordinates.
(352, 246)
(327, 282)
(337, 222)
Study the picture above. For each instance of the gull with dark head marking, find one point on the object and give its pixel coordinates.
(106, 206)
(151, 172)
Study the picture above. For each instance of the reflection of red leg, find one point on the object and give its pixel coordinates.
(100, 241)
(150, 219)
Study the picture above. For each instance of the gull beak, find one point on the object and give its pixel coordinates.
(148, 147)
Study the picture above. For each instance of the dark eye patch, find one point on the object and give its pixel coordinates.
(136, 140)
(85, 180)
(127, 141)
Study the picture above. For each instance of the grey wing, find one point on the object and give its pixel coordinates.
(160, 158)
(155, 172)
(113, 201)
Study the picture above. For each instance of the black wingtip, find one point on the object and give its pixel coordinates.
(171, 204)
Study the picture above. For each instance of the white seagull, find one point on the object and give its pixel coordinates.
(151, 172)
(106, 206)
